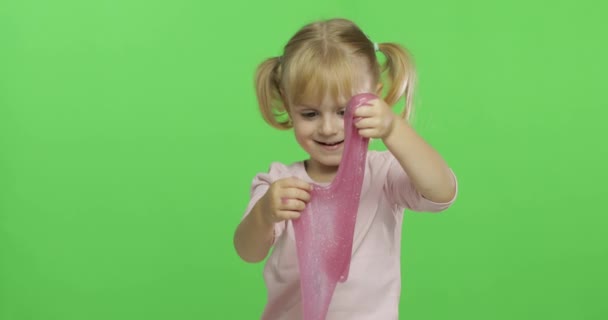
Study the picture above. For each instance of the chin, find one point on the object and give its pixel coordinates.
(331, 162)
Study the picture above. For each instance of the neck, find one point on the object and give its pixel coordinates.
(321, 174)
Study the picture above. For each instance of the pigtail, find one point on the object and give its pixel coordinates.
(267, 85)
(402, 76)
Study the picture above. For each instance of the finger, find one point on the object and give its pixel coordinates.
(292, 204)
(368, 133)
(288, 215)
(294, 182)
(295, 193)
(365, 111)
(367, 123)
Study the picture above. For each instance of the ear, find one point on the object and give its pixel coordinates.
(379, 88)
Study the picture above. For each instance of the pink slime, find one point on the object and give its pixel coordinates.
(324, 232)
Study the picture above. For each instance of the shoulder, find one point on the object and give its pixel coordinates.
(379, 162)
(377, 169)
(379, 157)
(278, 168)
(276, 171)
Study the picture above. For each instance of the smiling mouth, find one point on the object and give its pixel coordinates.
(329, 144)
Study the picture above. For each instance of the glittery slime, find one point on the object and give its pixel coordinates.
(324, 232)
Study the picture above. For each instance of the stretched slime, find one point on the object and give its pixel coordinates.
(324, 232)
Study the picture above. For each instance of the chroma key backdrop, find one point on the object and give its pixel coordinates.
(130, 135)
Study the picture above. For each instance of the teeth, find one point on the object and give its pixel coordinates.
(331, 144)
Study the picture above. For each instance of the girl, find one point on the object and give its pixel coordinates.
(307, 88)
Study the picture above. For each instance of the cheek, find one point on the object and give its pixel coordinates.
(300, 134)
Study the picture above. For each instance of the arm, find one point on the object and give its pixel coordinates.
(429, 172)
(426, 168)
(284, 200)
(254, 236)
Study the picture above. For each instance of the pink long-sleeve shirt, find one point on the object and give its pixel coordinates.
(373, 287)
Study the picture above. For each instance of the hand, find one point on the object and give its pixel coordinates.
(285, 199)
(375, 119)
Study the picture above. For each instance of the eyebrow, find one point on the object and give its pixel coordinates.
(305, 106)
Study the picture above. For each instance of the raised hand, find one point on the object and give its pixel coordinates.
(285, 199)
(375, 119)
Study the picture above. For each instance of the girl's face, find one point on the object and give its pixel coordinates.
(319, 129)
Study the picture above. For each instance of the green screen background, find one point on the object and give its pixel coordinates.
(129, 136)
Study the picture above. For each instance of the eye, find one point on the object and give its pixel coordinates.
(341, 112)
(309, 114)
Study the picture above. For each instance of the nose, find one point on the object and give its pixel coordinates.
(330, 125)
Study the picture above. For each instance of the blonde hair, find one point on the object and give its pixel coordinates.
(321, 58)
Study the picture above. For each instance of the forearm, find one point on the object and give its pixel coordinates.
(253, 237)
(426, 168)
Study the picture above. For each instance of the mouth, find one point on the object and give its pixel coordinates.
(330, 145)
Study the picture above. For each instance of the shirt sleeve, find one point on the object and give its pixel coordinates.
(401, 190)
(260, 184)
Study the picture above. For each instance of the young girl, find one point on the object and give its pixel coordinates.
(307, 88)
